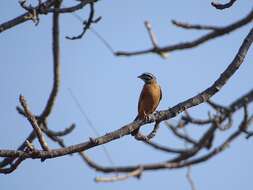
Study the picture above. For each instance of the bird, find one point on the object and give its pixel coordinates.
(149, 99)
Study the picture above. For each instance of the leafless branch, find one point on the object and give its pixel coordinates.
(87, 24)
(12, 167)
(41, 119)
(136, 173)
(24, 17)
(186, 45)
(194, 26)
(64, 132)
(151, 34)
(34, 123)
(153, 132)
(42, 8)
(164, 148)
(223, 6)
(56, 60)
(71, 9)
(219, 108)
(179, 135)
(192, 120)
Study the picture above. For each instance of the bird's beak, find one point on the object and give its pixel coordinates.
(140, 77)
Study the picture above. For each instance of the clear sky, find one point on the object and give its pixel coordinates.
(108, 90)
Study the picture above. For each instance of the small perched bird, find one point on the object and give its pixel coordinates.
(149, 99)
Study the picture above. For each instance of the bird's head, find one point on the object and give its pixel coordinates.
(147, 78)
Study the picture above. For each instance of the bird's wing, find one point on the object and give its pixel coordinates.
(141, 98)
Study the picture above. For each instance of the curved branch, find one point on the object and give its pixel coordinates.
(56, 61)
(223, 6)
(164, 148)
(186, 45)
(194, 26)
(77, 7)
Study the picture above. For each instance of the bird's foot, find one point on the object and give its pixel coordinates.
(147, 117)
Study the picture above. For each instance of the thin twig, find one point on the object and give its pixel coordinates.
(194, 26)
(151, 34)
(136, 173)
(34, 123)
(87, 24)
(179, 135)
(154, 131)
(223, 6)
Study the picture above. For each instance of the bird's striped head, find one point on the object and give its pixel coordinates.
(147, 77)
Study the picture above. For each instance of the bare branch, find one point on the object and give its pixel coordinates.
(164, 148)
(42, 8)
(56, 61)
(71, 9)
(34, 123)
(245, 99)
(13, 166)
(194, 26)
(192, 120)
(64, 132)
(219, 108)
(179, 135)
(87, 24)
(9, 160)
(187, 45)
(189, 178)
(223, 6)
(54, 91)
(151, 34)
(136, 173)
(24, 17)
(153, 132)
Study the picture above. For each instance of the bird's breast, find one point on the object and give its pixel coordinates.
(150, 99)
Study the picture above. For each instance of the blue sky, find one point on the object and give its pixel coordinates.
(108, 90)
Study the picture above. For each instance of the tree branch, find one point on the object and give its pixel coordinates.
(223, 6)
(24, 17)
(56, 61)
(194, 26)
(34, 123)
(186, 45)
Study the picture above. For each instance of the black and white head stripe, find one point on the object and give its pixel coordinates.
(147, 76)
